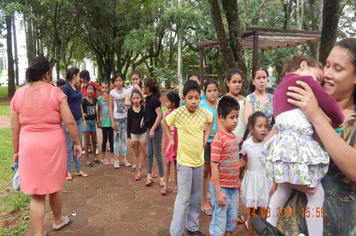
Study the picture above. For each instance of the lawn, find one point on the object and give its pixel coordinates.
(4, 110)
(14, 206)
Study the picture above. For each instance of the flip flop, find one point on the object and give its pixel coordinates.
(207, 211)
(137, 177)
(175, 191)
(240, 219)
(149, 182)
(154, 175)
(81, 173)
(105, 161)
(164, 191)
(96, 161)
(65, 224)
(69, 177)
(90, 164)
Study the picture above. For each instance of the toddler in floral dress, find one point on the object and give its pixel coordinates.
(291, 156)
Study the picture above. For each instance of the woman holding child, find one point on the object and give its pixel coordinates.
(339, 183)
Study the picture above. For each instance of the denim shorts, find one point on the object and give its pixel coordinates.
(224, 218)
(90, 126)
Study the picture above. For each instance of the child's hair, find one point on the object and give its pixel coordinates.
(189, 86)
(136, 72)
(139, 94)
(70, 72)
(293, 64)
(230, 73)
(90, 85)
(105, 82)
(84, 74)
(61, 82)
(152, 85)
(252, 119)
(226, 105)
(174, 98)
(210, 81)
(193, 73)
(112, 80)
(117, 75)
(254, 71)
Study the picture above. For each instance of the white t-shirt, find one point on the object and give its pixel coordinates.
(120, 110)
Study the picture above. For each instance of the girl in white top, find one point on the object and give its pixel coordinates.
(118, 115)
(256, 187)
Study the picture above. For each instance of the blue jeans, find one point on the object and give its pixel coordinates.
(224, 218)
(154, 146)
(70, 145)
(188, 201)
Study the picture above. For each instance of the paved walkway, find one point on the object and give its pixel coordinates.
(111, 202)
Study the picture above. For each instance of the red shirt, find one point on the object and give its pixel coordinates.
(84, 90)
(225, 150)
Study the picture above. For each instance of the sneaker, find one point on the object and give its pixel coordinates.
(108, 149)
(127, 163)
(195, 233)
(83, 152)
(116, 165)
(97, 151)
(89, 150)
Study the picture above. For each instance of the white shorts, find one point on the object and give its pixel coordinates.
(138, 137)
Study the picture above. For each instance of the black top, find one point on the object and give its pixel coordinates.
(89, 109)
(152, 102)
(134, 121)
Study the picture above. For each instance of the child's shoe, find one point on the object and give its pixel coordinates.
(195, 233)
(127, 163)
(116, 165)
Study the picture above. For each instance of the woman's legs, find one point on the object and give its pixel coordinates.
(149, 143)
(315, 202)
(278, 199)
(55, 202)
(157, 149)
(77, 164)
(37, 212)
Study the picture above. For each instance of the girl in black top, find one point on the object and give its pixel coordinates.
(135, 130)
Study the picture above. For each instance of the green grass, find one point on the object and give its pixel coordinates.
(14, 206)
(5, 110)
(5, 102)
(3, 92)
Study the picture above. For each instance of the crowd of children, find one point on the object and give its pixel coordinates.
(206, 156)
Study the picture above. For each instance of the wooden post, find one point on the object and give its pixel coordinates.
(201, 64)
(255, 49)
(262, 56)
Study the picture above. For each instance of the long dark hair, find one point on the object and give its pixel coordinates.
(230, 73)
(153, 86)
(254, 71)
(70, 72)
(39, 66)
(350, 45)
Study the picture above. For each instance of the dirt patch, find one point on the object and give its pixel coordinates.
(4, 122)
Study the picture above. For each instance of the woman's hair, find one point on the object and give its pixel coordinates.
(70, 72)
(152, 85)
(350, 45)
(38, 67)
(61, 82)
(254, 72)
(293, 64)
(85, 75)
(139, 94)
(210, 81)
(229, 75)
(90, 85)
(174, 98)
(252, 119)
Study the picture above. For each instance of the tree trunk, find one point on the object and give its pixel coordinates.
(16, 54)
(221, 34)
(329, 28)
(30, 42)
(11, 80)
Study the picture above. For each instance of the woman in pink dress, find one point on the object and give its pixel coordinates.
(39, 145)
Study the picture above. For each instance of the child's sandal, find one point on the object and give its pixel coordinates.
(164, 191)
(149, 182)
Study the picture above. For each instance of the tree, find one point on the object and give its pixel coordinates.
(11, 85)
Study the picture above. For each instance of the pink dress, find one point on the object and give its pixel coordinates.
(42, 144)
(172, 154)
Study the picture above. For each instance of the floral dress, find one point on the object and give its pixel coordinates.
(266, 108)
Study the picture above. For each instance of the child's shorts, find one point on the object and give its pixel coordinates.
(90, 126)
(224, 218)
(207, 152)
(138, 137)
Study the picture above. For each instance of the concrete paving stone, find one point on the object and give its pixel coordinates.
(102, 219)
(96, 184)
(90, 230)
(111, 171)
(163, 232)
(138, 204)
(147, 194)
(168, 220)
(121, 229)
(149, 225)
(131, 215)
(73, 187)
(113, 208)
(105, 178)
(109, 190)
(85, 193)
(133, 186)
(157, 212)
(164, 201)
(99, 200)
(78, 201)
(123, 196)
(87, 211)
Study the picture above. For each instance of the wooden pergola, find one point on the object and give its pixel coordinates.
(265, 39)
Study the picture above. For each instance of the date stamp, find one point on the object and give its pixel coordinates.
(288, 212)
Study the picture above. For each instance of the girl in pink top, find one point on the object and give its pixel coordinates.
(172, 103)
(292, 157)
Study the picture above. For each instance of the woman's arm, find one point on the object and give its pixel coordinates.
(157, 122)
(68, 120)
(248, 111)
(342, 154)
(15, 132)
